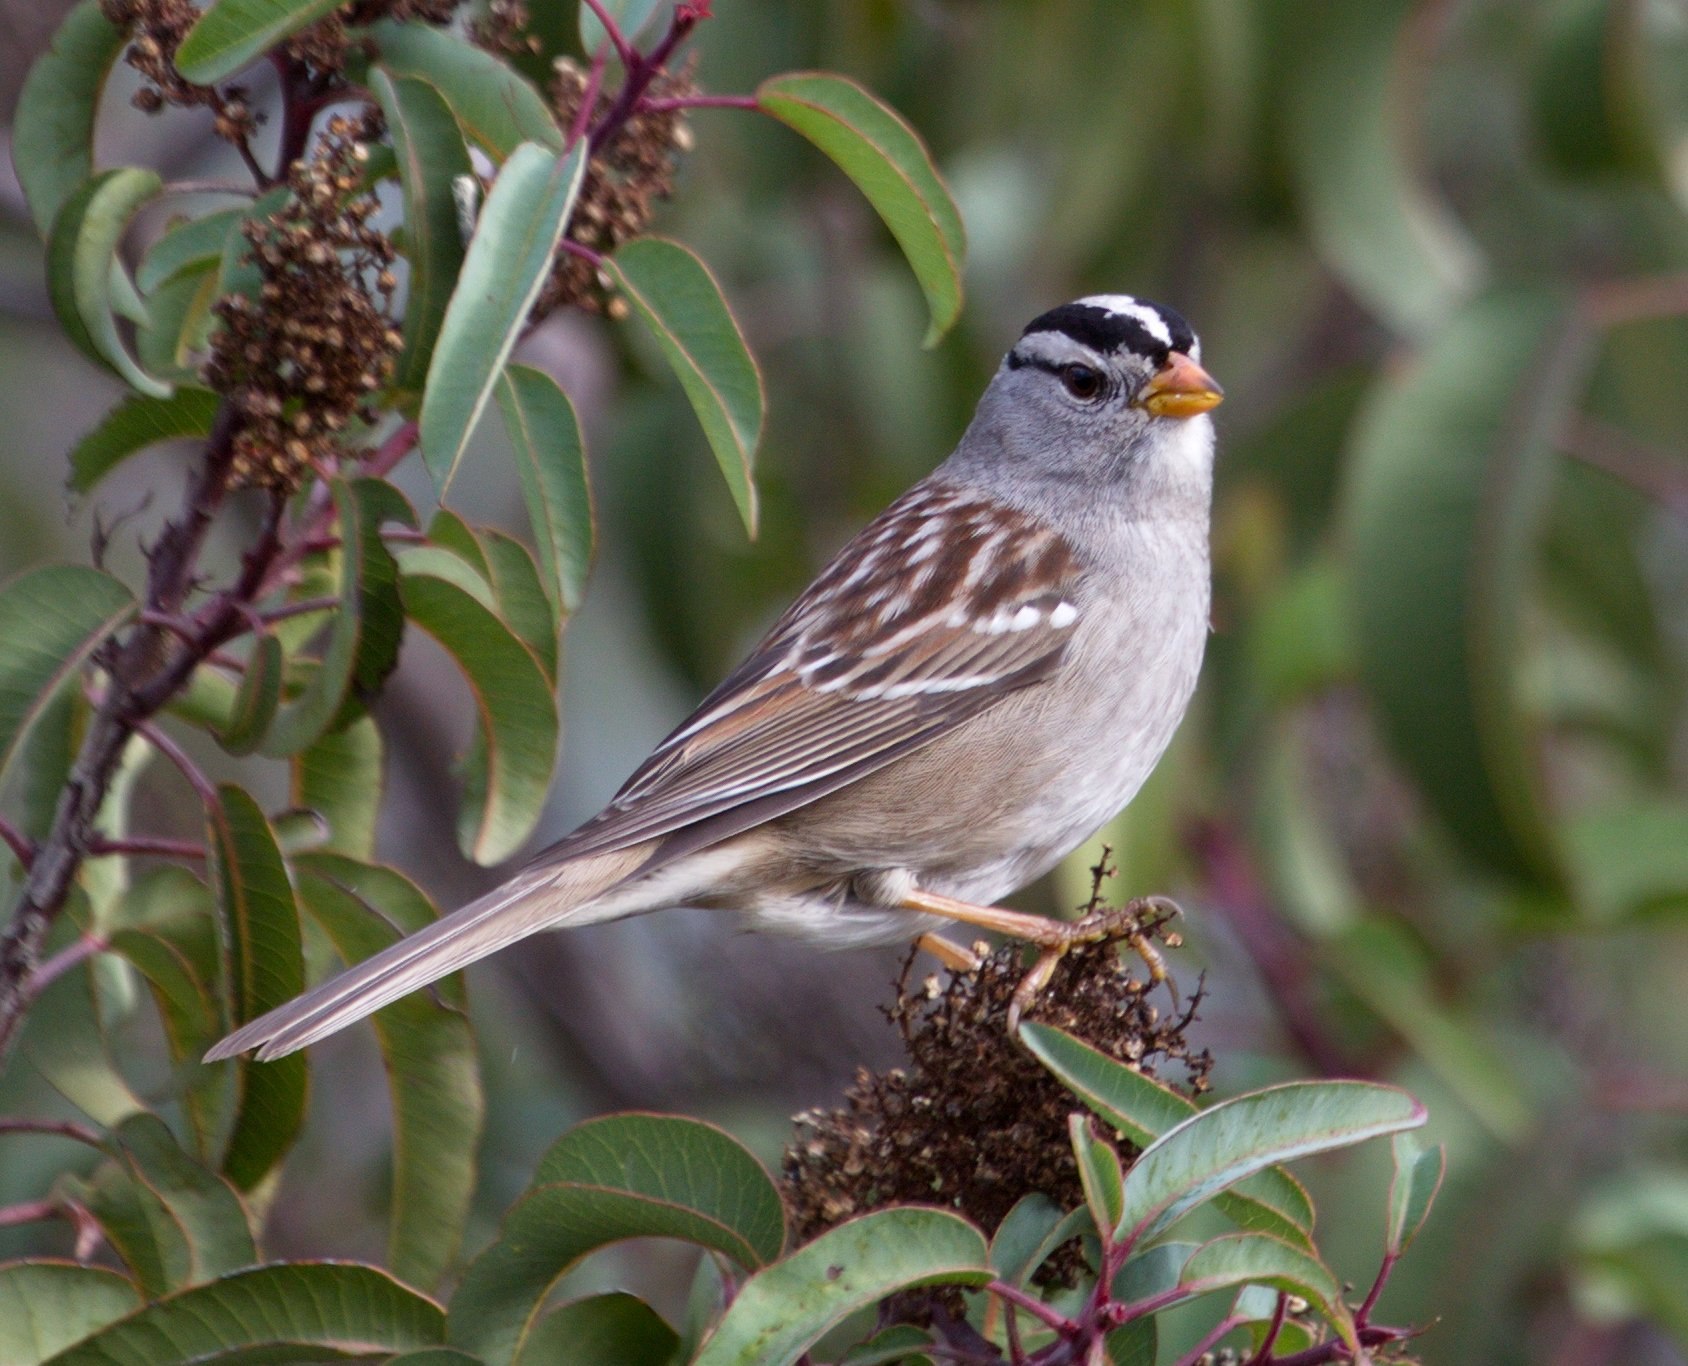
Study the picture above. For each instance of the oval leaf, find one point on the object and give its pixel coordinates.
(1143, 1110)
(1255, 1259)
(1218, 1147)
(261, 925)
(497, 107)
(48, 1306)
(429, 1051)
(53, 137)
(81, 252)
(603, 1330)
(232, 33)
(333, 1305)
(340, 778)
(682, 305)
(431, 155)
(1418, 1176)
(551, 463)
(1449, 480)
(1099, 1173)
(624, 1176)
(872, 145)
(51, 621)
(503, 270)
(781, 1311)
(136, 423)
(517, 713)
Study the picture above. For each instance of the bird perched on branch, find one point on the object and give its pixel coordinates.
(978, 681)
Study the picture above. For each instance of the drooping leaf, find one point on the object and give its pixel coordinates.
(678, 299)
(516, 710)
(340, 778)
(782, 1310)
(1418, 1176)
(503, 270)
(53, 136)
(429, 1051)
(47, 1306)
(1257, 1259)
(431, 156)
(232, 33)
(261, 925)
(255, 700)
(872, 145)
(1448, 486)
(1143, 1110)
(337, 1306)
(623, 1176)
(1021, 1233)
(1371, 216)
(51, 621)
(194, 244)
(551, 463)
(497, 107)
(134, 424)
(602, 1330)
(80, 254)
(1099, 1172)
(1197, 1159)
(522, 600)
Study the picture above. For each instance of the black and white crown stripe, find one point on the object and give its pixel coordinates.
(1109, 323)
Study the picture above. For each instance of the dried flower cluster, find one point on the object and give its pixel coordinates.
(156, 29)
(627, 175)
(301, 360)
(974, 1122)
(323, 47)
(502, 27)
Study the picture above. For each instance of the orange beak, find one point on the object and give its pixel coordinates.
(1180, 389)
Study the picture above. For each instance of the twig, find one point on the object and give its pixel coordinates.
(72, 955)
(59, 1128)
(1263, 1353)
(1365, 1310)
(1613, 451)
(618, 40)
(1616, 302)
(145, 845)
(298, 609)
(88, 1232)
(640, 75)
(20, 843)
(588, 102)
(1053, 1318)
(1209, 1341)
(178, 756)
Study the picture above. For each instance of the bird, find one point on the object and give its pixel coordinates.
(976, 683)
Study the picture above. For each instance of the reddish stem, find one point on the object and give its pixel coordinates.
(145, 846)
(1012, 1294)
(59, 1128)
(618, 40)
(20, 843)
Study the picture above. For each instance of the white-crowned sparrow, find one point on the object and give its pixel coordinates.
(977, 682)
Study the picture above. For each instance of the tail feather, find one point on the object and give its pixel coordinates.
(533, 900)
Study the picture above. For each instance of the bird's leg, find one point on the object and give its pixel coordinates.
(956, 957)
(1054, 937)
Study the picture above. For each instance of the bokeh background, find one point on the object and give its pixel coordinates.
(1323, 188)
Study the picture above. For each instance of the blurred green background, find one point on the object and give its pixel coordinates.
(1428, 815)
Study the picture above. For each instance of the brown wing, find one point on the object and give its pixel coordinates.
(942, 606)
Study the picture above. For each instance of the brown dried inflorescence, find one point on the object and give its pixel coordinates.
(301, 360)
(974, 1122)
(502, 27)
(322, 48)
(625, 178)
(156, 29)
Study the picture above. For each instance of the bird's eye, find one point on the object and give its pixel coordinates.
(1082, 382)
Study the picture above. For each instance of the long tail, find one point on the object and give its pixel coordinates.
(535, 899)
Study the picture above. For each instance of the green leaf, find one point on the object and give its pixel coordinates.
(898, 1345)
(80, 253)
(1448, 487)
(781, 1311)
(1629, 856)
(363, 630)
(1256, 1259)
(136, 423)
(198, 1205)
(551, 463)
(429, 1051)
(340, 1306)
(1099, 1172)
(53, 136)
(1373, 220)
(682, 305)
(261, 926)
(1143, 1110)
(514, 704)
(872, 145)
(1021, 1234)
(255, 703)
(340, 778)
(179, 323)
(233, 33)
(51, 621)
(522, 599)
(1193, 1162)
(602, 1330)
(431, 155)
(496, 106)
(504, 268)
(624, 1176)
(47, 1306)
(1418, 1176)
(194, 244)
(1589, 97)
(630, 17)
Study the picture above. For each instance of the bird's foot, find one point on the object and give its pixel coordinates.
(1133, 924)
